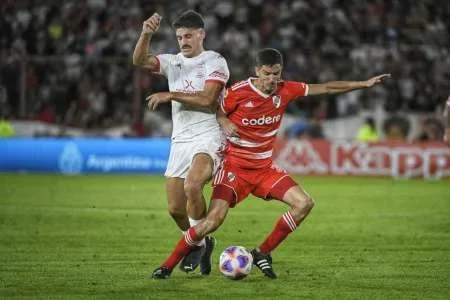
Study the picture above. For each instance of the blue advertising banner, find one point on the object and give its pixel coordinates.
(75, 156)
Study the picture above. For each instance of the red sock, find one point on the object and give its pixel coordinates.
(184, 246)
(284, 226)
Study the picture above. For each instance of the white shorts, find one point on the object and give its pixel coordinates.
(182, 154)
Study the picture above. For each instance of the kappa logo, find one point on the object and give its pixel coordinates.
(276, 100)
(231, 176)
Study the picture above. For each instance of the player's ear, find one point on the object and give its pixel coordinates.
(202, 33)
(257, 71)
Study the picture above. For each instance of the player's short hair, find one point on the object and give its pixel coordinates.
(269, 56)
(189, 19)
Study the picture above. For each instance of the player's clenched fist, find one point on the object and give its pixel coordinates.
(151, 25)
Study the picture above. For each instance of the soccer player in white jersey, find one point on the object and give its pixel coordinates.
(196, 84)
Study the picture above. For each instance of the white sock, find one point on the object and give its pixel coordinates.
(194, 222)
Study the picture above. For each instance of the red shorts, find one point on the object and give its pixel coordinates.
(234, 184)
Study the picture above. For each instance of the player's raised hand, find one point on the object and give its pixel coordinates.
(155, 99)
(151, 25)
(376, 79)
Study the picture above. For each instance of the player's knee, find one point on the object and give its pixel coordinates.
(304, 204)
(176, 212)
(308, 203)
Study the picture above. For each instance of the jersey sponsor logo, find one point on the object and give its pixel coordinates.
(200, 70)
(264, 120)
(276, 100)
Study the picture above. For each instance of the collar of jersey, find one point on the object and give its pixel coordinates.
(258, 91)
(192, 58)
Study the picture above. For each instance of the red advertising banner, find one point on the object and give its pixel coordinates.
(399, 160)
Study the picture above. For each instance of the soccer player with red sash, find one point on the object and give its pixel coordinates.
(250, 115)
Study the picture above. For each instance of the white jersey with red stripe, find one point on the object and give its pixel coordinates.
(258, 117)
(189, 75)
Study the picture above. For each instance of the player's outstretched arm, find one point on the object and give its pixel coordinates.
(141, 54)
(228, 127)
(206, 99)
(334, 87)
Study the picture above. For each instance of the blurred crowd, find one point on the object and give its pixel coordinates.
(69, 62)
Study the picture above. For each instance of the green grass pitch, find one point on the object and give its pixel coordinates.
(101, 236)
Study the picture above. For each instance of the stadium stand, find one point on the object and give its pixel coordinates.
(69, 63)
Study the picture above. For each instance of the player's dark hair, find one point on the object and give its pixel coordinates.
(269, 56)
(189, 19)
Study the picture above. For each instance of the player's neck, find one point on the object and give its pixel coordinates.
(196, 53)
(260, 86)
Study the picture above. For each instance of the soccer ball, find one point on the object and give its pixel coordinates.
(235, 262)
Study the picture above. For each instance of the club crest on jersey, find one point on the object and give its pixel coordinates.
(276, 100)
(231, 176)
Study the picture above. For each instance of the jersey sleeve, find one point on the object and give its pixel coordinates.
(296, 89)
(163, 64)
(229, 101)
(217, 70)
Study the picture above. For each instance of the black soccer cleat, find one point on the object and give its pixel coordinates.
(264, 263)
(205, 261)
(161, 273)
(191, 261)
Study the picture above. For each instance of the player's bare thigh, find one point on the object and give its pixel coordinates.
(198, 175)
(201, 169)
(177, 201)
